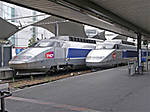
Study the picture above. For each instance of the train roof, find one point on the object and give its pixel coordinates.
(118, 41)
(75, 39)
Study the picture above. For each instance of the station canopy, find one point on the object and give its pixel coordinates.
(7, 29)
(65, 27)
(125, 19)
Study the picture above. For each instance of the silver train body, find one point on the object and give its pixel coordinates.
(53, 54)
(113, 52)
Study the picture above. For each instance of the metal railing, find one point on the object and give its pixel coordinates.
(133, 67)
(4, 94)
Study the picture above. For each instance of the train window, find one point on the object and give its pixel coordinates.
(86, 41)
(108, 46)
(99, 47)
(83, 40)
(128, 43)
(121, 47)
(74, 39)
(56, 44)
(33, 44)
(71, 38)
(47, 44)
(116, 46)
(78, 40)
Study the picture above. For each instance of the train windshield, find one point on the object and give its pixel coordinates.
(46, 44)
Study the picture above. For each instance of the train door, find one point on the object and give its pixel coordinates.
(60, 54)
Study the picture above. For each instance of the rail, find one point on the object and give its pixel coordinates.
(4, 94)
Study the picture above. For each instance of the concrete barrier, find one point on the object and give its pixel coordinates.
(6, 73)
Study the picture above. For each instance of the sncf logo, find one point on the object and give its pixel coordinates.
(49, 55)
(114, 55)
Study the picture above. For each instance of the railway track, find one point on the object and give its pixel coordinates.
(21, 82)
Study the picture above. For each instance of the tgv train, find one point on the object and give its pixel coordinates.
(113, 52)
(53, 54)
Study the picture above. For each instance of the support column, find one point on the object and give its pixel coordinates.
(56, 29)
(2, 58)
(139, 52)
(2, 103)
(147, 55)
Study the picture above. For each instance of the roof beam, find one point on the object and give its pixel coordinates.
(87, 6)
(89, 12)
(86, 18)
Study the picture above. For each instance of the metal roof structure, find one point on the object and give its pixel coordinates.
(90, 12)
(7, 29)
(132, 14)
(65, 27)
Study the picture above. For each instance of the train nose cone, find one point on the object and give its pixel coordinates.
(19, 62)
(97, 57)
(94, 58)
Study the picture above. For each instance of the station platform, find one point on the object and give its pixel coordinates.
(111, 90)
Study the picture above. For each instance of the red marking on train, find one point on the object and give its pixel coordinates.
(64, 106)
(114, 55)
(20, 47)
(25, 57)
(49, 55)
(15, 57)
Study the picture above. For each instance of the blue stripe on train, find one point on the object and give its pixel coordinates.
(77, 53)
(130, 54)
(144, 53)
(144, 59)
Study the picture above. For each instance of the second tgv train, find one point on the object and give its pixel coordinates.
(53, 54)
(113, 52)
